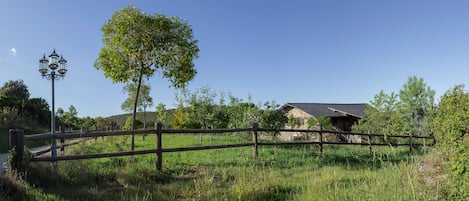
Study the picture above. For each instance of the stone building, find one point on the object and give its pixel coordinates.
(342, 117)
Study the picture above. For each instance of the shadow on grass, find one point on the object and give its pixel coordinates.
(82, 183)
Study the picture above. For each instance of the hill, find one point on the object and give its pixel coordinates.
(151, 117)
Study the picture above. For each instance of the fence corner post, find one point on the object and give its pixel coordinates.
(255, 153)
(17, 143)
(159, 152)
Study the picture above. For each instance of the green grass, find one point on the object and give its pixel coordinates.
(285, 173)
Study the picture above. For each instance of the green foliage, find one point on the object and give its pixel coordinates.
(10, 118)
(144, 99)
(273, 119)
(17, 110)
(199, 110)
(136, 43)
(128, 124)
(162, 114)
(108, 122)
(293, 122)
(450, 126)
(406, 113)
(416, 103)
(14, 91)
(68, 119)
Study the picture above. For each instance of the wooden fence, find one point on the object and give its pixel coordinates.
(17, 140)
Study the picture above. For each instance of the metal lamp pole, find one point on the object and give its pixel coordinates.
(53, 69)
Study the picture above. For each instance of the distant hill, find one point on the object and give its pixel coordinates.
(151, 117)
(121, 118)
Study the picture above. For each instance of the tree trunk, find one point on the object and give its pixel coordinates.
(134, 115)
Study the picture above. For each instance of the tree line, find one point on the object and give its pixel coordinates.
(19, 110)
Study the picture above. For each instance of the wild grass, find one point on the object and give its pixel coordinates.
(285, 173)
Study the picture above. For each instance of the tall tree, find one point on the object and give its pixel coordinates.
(136, 45)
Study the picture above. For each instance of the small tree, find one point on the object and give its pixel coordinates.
(128, 124)
(416, 103)
(162, 115)
(144, 99)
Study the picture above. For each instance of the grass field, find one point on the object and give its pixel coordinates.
(285, 173)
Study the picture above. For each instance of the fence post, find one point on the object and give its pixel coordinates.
(255, 152)
(369, 143)
(320, 139)
(159, 153)
(410, 143)
(17, 143)
(434, 139)
(62, 141)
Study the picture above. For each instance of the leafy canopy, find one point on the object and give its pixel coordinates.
(138, 44)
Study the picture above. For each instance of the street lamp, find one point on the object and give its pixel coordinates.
(53, 69)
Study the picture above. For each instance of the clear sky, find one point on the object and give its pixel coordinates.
(335, 51)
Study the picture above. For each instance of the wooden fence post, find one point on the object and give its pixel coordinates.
(410, 143)
(159, 153)
(17, 143)
(62, 141)
(320, 139)
(255, 152)
(434, 139)
(369, 143)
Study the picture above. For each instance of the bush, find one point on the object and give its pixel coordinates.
(450, 125)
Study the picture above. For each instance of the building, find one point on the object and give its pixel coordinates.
(342, 116)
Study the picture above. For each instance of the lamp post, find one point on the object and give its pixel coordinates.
(53, 69)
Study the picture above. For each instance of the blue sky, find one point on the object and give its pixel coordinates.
(335, 51)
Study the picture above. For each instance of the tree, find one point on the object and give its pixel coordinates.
(162, 115)
(144, 99)
(128, 124)
(38, 110)
(88, 123)
(15, 90)
(104, 123)
(14, 94)
(9, 118)
(416, 103)
(70, 118)
(137, 45)
(382, 115)
(25, 112)
(407, 112)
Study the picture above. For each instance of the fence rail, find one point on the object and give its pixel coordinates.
(17, 139)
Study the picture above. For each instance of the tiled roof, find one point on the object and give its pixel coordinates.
(330, 109)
